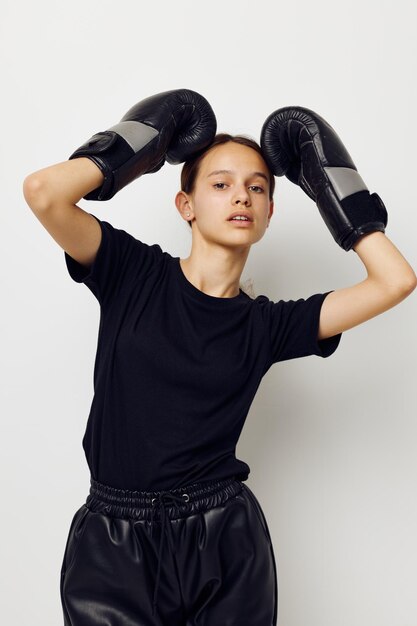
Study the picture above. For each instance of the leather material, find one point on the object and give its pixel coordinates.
(136, 134)
(299, 143)
(216, 568)
(173, 125)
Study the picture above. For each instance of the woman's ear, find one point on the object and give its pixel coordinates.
(182, 203)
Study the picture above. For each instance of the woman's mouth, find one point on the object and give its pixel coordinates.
(245, 223)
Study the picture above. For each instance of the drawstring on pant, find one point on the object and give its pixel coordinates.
(142, 505)
(162, 498)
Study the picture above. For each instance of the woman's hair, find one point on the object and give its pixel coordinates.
(191, 169)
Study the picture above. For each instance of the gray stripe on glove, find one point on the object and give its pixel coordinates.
(136, 134)
(345, 181)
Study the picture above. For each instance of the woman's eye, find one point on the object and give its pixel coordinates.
(254, 186)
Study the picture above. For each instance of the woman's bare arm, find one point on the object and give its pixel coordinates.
(390, 280)
(52, 194)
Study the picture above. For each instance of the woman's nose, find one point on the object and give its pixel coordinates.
(241, 196)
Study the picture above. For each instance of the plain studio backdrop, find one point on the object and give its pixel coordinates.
(331, 443)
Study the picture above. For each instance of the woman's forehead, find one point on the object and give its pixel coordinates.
(230, 156)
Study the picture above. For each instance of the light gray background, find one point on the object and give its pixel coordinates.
(331, 442)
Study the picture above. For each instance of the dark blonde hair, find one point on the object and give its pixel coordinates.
(191, 167)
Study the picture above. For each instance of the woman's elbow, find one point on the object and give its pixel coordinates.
(404, 289)
(410, 283)
(35, 192)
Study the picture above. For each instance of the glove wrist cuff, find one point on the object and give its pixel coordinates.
(357, 214)
(119, 157)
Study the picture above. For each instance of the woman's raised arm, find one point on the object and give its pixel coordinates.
(390, 280)
(52, 193)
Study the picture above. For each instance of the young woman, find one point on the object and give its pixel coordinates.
(170, 533)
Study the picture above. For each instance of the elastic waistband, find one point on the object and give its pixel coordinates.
(141, 504)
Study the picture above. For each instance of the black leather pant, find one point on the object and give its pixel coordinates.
(195, 556)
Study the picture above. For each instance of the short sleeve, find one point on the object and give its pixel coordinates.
(121, 259)
(293, 328)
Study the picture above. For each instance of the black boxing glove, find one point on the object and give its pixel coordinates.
(299, 143)
(172, 126)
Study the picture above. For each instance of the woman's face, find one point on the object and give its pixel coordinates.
(244, 186)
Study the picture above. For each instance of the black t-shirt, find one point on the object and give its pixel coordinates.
(176, 369)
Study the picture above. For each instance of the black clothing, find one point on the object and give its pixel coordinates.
(218, 566)
(176, 369)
